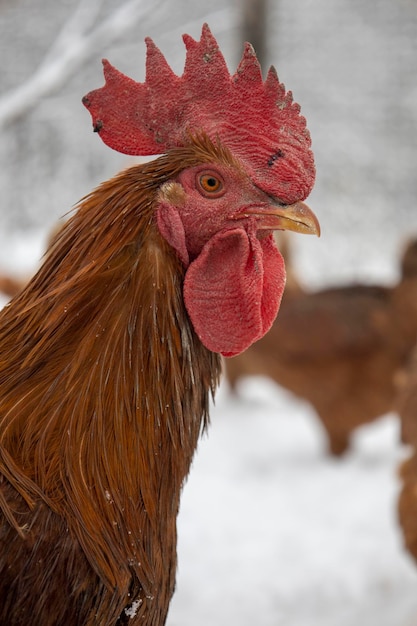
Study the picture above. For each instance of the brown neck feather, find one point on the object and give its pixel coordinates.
(104, 384)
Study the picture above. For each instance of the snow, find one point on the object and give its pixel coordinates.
(131, 612)
(273, 531)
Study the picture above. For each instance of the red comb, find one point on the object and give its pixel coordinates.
(257, 120)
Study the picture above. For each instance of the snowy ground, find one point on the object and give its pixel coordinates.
(273, 532)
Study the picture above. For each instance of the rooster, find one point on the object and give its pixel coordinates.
(110, 354)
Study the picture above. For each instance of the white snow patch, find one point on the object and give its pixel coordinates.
(274, 532)
(132, 610)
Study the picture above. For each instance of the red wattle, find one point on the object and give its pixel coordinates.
(233, 289)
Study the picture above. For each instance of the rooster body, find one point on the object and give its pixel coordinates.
(108, 359)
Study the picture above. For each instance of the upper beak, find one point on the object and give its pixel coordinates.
(297, 217)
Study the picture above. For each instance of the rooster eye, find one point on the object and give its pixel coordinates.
(210, 184)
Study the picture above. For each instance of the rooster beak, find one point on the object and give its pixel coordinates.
(297, 217)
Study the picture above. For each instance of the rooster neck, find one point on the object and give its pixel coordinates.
(115, 387)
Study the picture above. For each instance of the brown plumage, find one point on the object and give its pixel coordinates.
(109, 281)
(340, 349)
(109, 355)
(407, 409)
(407, 502)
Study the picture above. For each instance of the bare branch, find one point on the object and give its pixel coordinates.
(82, 19)
(72, 47)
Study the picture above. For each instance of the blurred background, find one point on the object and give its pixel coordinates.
(350, 65)
(271, 531)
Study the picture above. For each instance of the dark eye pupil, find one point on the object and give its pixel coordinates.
(211, 182)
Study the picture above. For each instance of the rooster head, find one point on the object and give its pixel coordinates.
(253, 171)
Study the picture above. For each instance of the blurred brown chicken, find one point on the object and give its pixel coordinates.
(407, 409)
(109, 355)
(407, 502)
(340, 349)
(11, 285)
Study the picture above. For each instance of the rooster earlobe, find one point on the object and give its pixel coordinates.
(172, 230)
